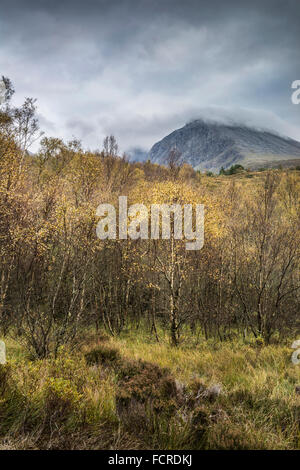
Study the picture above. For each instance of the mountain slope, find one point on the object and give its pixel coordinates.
(209, 146)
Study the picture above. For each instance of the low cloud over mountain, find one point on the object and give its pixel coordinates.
(209, 146)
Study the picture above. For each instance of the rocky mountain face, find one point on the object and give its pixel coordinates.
(210, 146)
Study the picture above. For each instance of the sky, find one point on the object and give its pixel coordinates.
(140, 69)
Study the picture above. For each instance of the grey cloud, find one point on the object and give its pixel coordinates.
(140, 68)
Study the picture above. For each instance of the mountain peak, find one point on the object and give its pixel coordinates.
(208, 145)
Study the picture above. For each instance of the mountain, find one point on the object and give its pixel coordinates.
(209, 146)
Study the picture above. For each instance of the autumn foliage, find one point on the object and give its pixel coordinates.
(57, 278)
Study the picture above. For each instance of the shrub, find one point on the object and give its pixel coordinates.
(5, 372)
(60, 398)
(200, 420)
(102, 355)
(234, 169)
(149, 385)
(69, 368)
(259, 342)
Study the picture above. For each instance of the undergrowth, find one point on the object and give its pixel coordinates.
(132, 392)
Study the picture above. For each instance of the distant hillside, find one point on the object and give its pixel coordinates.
(209, 146)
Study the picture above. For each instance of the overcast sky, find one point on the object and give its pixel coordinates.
(142, 68)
